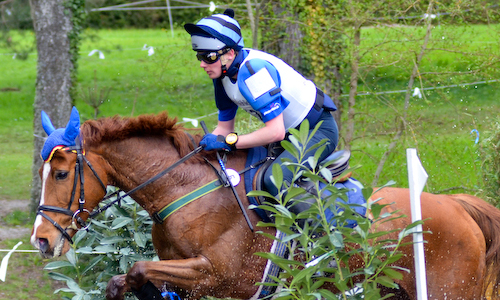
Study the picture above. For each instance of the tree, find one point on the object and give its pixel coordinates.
(52, 25)
(347, 46)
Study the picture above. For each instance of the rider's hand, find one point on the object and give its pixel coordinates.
(214, 142)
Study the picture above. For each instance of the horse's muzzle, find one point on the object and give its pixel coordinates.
(43, 246)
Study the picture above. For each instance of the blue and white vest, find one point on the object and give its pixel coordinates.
(265, 87)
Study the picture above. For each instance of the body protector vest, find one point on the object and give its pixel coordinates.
(265, 87)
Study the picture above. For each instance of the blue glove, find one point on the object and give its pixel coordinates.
(214, 142)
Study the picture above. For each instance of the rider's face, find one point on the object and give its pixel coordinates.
(214, 70)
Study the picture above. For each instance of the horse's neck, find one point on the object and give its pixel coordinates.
(133, 162)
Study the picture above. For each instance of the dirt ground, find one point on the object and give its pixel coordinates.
(12, 232)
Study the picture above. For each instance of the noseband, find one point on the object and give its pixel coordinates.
(75, 216)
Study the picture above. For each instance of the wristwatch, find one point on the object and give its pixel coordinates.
(231, 140)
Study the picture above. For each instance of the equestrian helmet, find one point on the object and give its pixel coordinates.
(216, 32)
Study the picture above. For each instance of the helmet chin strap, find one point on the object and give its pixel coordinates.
(223, 62)
(231, 70)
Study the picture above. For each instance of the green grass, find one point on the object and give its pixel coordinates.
(26, 278)
(172, 80)
(16, 218)
(440, 128)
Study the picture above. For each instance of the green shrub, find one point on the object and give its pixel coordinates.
(318, 242)
(114, 243)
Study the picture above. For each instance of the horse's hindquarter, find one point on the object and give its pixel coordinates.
(454, 250)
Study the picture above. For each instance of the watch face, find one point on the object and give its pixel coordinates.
(231, 138)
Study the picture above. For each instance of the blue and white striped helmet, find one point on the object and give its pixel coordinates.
(216, 32)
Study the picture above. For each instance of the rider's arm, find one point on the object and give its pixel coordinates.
(273, 131)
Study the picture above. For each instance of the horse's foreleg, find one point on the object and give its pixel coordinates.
(117, 286)
(188, 274)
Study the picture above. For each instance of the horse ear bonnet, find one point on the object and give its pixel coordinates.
(62, 136)
(47, 124)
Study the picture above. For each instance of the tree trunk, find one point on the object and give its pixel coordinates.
(349, 135)
(254, 22)
(52, 23)
(287, 36)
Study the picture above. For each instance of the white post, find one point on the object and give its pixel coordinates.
(417, 178)
(5, 262)
(170, 17)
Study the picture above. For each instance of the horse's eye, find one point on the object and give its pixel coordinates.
(61, 175)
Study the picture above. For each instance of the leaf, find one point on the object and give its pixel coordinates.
(386, 281)
(277, 177)
(327, 174)
(393, 274)
(124, 264)
(367, 193)
(290, 148)
(57, 264)
(394, 258)
(141, 239)
(304, 130)
(295, 143)
(283, 210)
(312, 161)
(106, 249)
(121, 222)
(290, 237)
(79, 236)
(259, 193)
(293, 192)
(111, 240)
(92, 263)
(71, 256)
(59, 276)
(337, 239)
(84, 250)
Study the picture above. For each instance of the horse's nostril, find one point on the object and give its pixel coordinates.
(43, 245)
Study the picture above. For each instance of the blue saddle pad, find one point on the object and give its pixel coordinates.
(355, 198)
(254, 155)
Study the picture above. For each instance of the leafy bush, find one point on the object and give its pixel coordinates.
(117, 240)
(318, 242)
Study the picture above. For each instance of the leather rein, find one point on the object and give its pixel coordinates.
(80, 160)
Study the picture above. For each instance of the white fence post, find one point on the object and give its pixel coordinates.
(417, 178)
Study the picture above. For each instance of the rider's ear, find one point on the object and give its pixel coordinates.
(232, 53)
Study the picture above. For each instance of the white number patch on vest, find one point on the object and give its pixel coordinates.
(259, 83)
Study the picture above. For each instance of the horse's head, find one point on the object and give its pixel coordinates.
(64, 204)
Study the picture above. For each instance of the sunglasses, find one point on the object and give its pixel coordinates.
(211, 57)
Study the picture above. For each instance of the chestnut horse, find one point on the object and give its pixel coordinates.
(206, 247)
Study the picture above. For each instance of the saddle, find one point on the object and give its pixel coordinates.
(337, 163)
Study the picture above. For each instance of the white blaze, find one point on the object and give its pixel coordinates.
(38, 220)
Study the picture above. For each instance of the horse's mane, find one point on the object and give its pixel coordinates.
(117, 128)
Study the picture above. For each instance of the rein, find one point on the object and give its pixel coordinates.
(81, 201)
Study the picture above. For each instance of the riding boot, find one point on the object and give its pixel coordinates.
(148, 292)
(302, 205)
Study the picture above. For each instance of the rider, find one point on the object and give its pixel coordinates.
(261, 84)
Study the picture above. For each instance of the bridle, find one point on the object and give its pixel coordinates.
(80, 160)
(75, 216)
